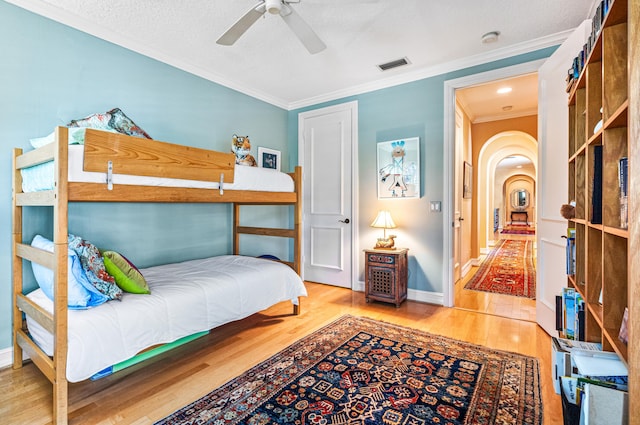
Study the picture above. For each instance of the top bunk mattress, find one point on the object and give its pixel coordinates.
(186, 298)
(41, 177)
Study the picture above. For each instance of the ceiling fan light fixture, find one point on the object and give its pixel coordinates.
(273, 6)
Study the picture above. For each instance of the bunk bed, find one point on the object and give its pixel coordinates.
(48, 331)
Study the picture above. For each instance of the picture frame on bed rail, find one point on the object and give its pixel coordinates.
(268, 158)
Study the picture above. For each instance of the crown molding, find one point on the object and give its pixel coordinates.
(494, 55)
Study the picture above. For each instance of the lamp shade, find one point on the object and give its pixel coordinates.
(383, 220)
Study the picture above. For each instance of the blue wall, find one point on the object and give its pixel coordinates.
(51, 74)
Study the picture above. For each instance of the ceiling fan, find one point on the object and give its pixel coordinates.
(281, 7)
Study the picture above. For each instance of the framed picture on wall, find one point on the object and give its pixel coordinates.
(467, 181)
(399, 169)
(268, 158)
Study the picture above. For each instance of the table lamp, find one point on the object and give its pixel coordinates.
(383, 220)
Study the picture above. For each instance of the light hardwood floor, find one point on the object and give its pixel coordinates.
(148, 392)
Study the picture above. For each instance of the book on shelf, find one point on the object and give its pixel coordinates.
(570, 314)
(596, 186)
(596, 27)
(623, 335)
(559, 319)
(569, 308)
(580, 320)
(571, 252)
(623, 183)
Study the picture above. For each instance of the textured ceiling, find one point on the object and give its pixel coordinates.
(269, 63)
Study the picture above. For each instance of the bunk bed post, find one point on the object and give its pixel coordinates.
(17, 261)
(297, 217)
(60, 241)
(236, 223)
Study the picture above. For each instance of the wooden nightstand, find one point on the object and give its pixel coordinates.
(386, 275)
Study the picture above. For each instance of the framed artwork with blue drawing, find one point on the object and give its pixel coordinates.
(399, 169)
(268, 158)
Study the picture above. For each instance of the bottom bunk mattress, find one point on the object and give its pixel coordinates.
(188, 297)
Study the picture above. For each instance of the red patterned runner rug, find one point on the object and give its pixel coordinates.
(508, 269)
(361, 371)
(518, 230)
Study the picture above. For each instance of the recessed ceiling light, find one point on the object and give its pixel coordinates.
(504, 90)
(490, 37)
(518, 166)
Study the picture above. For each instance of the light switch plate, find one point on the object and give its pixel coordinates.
(436, 206)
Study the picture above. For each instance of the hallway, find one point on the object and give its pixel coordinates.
(520, 308)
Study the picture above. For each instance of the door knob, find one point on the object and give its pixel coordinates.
(460, 219)
(345, 221)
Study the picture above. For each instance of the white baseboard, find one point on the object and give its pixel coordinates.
(6, 357)
(465, 269)
(425, 296)
(412, 294)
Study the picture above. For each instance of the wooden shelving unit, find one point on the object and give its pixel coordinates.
(602, 246)
(607, 257)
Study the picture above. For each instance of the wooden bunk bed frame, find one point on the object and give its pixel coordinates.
(127, 155)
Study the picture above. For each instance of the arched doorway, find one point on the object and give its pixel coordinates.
(495, 150)
(507, 164)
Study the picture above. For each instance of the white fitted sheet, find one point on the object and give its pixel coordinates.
(41, 177)
(186, 298)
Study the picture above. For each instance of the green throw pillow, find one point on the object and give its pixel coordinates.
(127, 276)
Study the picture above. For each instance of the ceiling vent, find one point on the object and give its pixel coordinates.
(393, 64)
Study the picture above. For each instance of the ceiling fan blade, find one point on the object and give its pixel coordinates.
(302, 30)
(242, 25)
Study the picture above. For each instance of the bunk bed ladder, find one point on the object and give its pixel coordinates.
(53, 368)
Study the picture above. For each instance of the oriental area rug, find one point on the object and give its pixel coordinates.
(361, 371)
(518, 230)
(508, 269)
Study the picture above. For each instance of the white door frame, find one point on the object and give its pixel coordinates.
(450, 87)
(353, 108)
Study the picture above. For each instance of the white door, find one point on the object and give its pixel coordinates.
(327, 141)
(457, 227)
(552, 175)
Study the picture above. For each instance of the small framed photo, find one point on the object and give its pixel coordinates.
(268, 158)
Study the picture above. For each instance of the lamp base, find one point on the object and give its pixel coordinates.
(386, 243)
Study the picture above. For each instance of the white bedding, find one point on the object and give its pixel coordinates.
(186, 298)
(40, 177)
